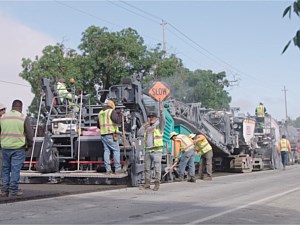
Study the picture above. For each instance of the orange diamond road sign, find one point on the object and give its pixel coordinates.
(159, 91)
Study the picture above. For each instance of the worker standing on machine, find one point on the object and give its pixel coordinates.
(108, 120)
(260, 113)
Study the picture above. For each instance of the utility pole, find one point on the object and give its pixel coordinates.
(286, 115)
(164, 37)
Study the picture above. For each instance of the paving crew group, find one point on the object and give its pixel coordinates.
(17, 137)
(185, 148)
(152, 131)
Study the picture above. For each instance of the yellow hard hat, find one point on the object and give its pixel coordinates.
(173, 134)
(111, 104)
(192, 135)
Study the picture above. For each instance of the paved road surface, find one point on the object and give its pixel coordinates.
(269, 197)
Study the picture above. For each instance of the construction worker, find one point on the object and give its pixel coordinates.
(108, 120)
(205, 150)
(260, 113)
(2, 111)
(183, 144)
(16, 138)
(153, 144)
(283, 148)
(64, 94)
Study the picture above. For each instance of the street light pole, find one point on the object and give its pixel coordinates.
(286, 115)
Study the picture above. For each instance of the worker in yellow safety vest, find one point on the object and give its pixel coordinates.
(65, 95)
(283, 148)
(182, 143)
(108, 120)
(152, 131)
(2, 111)
(260, 113)
(16, 138)
(203, 148)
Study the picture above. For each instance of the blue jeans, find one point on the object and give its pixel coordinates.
(13, 160)
(110, 145)
(0, 167)
(187, 159)
(283, 158)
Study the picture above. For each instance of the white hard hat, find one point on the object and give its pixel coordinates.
(2, 106)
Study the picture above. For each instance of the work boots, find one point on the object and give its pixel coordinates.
(147, 184)
(192, 179)
(156, 186)
(179, 179)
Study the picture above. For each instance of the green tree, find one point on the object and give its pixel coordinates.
(288, 11)
(296, 122)
(105, 57)
(201, 86)
(56, 62)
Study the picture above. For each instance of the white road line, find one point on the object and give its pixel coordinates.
(242, 206)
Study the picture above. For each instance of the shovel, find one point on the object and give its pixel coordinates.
(168, 169)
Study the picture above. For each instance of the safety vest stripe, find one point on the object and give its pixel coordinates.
(107, 125)
(158, 137)
(3, 135)
(13, 118)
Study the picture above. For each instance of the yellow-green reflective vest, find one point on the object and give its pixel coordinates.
(260, 111)
(12, 130)
(186, 143)
(284, 145)
(158, 139)
(107, 126)
(203, 147)
(63, 93)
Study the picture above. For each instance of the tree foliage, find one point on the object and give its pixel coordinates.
(295, 7)
(201, 86)
(296, 122)
(108, 57)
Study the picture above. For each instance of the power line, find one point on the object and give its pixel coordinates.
(158, 18)
(86, 13)
(215, 58)
(147, 13)
(131, 10)
(98, 18)
(9, 82)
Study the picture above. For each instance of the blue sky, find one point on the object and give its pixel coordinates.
(242, 38)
